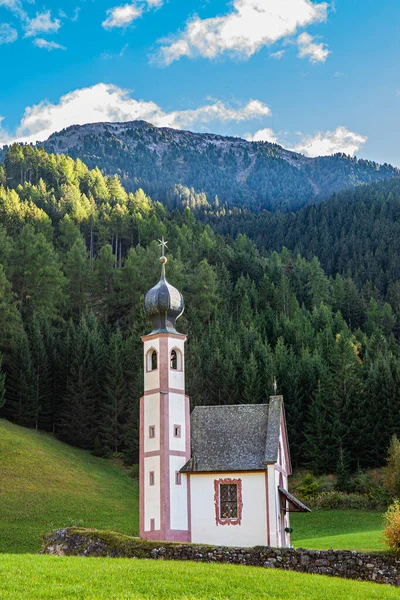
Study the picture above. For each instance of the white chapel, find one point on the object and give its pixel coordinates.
(216, 476)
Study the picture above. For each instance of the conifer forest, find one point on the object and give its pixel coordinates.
(309, 298)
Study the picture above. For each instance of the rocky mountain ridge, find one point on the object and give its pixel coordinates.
(183, 168)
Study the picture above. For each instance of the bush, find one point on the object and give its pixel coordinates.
(391, 478)
(336, 499)
(309, 487)
(391, 532)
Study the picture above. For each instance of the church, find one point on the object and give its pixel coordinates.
(216, 476)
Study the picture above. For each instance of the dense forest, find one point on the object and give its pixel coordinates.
(77, 255)
(181, 168)
(355, 233)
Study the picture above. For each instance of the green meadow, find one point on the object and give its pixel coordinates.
(27, 577)
(45, 484)
(338, 529)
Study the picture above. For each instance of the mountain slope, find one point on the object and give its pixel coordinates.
(45, 484)
(241, 173)
(356, 233)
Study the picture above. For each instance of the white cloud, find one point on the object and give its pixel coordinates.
(42, 23)
(103, 102)
(250, 25)
(262, 135)
(331, 142)
(15, 6)
(8, 34)
(278, 55)
(41, 43)
(122, 16)
(315, 52)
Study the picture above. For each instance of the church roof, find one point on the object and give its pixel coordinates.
(240, 437)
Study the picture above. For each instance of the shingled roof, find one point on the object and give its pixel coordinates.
(240, 437)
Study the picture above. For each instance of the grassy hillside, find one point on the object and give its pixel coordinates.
(46, 577)
(45, 484)
(338, 529)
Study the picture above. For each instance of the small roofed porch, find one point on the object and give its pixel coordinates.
(288, 503)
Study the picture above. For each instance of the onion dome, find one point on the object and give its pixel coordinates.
(163, 303)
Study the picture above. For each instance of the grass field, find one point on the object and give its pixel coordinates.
(338, 529)
(27, 577)
(45, 484)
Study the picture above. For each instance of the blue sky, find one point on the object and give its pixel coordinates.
(315, 76)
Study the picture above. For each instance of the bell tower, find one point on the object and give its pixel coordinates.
(164, 419)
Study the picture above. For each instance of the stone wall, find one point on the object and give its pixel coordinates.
(380, 568)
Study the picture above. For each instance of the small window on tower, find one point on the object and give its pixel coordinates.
(151, 478)
(152, 360)
(177, 431)
(176, 360)
(178, 478)
(152, 431)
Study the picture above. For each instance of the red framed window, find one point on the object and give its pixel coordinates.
(152, 478)
(228, 501)
(178, 478)
(152, 431)
(177, 431)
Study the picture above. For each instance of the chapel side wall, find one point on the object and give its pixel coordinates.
(253, 528)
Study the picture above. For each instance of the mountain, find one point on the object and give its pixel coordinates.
(182, 168)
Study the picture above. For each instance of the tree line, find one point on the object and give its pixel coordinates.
(77, 255)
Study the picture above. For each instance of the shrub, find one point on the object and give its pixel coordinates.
(336, 499)
(391, 532)
(309, 487)
(391, 478)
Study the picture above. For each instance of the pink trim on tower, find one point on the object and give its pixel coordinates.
(165, 491)
(141, 468)
(171, 453)
(164, 334)
(159, 390)
(187, 427)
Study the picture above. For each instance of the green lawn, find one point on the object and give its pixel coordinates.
(27, 577)
(338, 529)
(45, 484)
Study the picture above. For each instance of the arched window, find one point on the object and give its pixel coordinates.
(176, 360)
(152, 360)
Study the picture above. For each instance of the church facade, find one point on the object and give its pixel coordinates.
(219, 475)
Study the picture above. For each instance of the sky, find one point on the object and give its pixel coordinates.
(316, 77)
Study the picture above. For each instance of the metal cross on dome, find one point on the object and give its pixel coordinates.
(163, 245)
